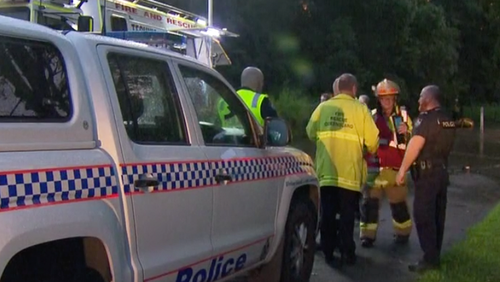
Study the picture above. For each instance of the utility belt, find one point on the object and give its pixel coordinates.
(420, 167)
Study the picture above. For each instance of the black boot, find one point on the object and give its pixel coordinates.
(329, 259)
(348, 259)
(401, 239)
(367, 242)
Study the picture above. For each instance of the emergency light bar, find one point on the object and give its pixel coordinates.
(160, 39)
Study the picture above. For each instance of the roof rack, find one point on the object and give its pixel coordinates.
(168, 9)
(160, 39)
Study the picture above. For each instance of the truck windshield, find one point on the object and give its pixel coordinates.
(56, 22)
(22, 13)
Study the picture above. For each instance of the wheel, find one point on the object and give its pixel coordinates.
(87, 274)
(300, 242)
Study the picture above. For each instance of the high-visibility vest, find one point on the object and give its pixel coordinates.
(389, 153)
(252, 100)
(223, 110)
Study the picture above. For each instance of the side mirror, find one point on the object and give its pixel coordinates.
(276, 133)
(85, 23)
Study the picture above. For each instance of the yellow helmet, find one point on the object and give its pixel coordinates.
(386, 87)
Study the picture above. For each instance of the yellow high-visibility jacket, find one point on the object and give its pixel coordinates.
(341, 127)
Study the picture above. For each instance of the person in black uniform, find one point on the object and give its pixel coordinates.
(427, 156)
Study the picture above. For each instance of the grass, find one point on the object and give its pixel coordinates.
(491, 112)
(476, 259)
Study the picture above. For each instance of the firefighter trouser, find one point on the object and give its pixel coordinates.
(385, 181)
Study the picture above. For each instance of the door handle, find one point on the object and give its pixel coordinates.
(222, 177)
(145, 181)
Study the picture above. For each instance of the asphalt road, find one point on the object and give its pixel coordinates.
(470, 197)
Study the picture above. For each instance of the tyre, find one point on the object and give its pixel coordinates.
(300, 242)
(87, 274)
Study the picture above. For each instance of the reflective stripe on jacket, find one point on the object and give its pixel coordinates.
(341, 128)
(389, 154)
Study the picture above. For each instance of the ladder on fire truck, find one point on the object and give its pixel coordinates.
(203, 41)
(218, 54)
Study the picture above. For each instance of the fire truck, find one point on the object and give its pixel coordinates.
(57, 14)
(145, 21)
(149, 21)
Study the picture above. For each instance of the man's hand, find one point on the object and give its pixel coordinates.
(403, 128)
(401, 177)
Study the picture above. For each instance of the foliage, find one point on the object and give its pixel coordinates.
(491, 113)
(295, 107)
(305, 44)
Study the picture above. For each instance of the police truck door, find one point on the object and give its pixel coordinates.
(245, 199)
(161, 165)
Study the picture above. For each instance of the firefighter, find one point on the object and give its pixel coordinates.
(252, 82)
(428, 151)
(335, 87)
(364, 99)
(341, 127)
(324, 97)
(394, 126)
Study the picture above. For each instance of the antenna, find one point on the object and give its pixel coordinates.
(103, 31)
(210, 12)
(210, 23)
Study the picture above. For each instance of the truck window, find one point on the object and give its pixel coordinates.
(223, 119)
(22, 13)
(148, 101)
(118, 23)
(33, 82)
(58, 23)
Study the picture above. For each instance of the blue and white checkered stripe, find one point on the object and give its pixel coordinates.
(173, 176)
(31, 188)
(261, 168)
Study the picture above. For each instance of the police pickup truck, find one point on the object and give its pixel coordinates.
(113, 167)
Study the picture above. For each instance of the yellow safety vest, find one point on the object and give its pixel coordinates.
(252, 100)
(223, 110)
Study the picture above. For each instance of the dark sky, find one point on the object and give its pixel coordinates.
(199, 7)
